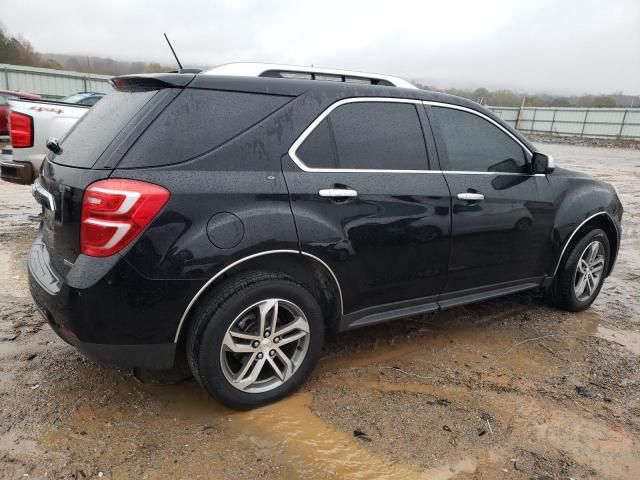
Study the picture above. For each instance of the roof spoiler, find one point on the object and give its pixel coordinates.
(151, 81)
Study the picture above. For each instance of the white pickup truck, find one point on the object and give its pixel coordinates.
(31, 123)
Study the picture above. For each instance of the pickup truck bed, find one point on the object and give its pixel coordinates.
(48, 119)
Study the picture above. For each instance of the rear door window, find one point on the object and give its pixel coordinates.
(367, 136)
(319, 149)
(92, 134)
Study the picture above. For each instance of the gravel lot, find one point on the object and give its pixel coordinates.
(505, 389)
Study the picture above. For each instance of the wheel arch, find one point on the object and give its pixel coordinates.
(602, 220)
(310, 270)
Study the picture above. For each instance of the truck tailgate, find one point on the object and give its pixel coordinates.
(49, 119)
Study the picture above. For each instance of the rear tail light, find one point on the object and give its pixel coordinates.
(21, 130)
(115, 211)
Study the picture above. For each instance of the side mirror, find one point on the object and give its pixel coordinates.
(542, 163)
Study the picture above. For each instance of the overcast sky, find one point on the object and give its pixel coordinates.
(561, 46)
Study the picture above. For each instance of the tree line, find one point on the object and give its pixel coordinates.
(18, 51)
(509, 98)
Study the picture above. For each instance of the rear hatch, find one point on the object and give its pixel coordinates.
(90, 152)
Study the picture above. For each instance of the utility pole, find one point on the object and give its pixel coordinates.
(89, 73)
(520, 113)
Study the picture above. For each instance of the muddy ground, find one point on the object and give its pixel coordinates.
(505, 389)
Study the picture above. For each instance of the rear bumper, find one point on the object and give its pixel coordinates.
(15, 172)
(154, 356)
(112, 314)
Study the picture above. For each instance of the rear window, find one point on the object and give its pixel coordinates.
(197, 122)
(93, 133)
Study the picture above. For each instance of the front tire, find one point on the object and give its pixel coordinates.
(582, 272)
(255, 340)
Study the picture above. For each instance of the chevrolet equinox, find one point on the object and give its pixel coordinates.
(236, 215)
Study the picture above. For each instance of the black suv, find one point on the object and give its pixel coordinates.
(236, 217)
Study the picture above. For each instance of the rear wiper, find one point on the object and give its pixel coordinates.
(54, 145)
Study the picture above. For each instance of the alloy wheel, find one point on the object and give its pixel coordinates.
(264, 345)
(589, 272)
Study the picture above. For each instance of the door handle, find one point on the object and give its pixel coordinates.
(337, 193)
(471, 196)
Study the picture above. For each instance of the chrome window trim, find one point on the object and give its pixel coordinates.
(568, 241)
(318, 120)
(238, 262)
(481, 115)
(307, 131)
(463, 172)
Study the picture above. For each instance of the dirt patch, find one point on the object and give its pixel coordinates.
(505, 389)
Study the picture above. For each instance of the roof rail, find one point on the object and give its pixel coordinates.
(274, 70)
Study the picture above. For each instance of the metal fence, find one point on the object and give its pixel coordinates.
(49, 83)
(581, 122)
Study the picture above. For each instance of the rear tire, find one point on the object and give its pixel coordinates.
(231, 339)
(582, 272)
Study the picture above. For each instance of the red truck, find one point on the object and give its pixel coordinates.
(4, 107)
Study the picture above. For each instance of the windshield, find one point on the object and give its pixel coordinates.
(75, 98)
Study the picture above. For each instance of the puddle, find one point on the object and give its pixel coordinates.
(287, 433)
(626, 338)
(306, 445)
(317, 450)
